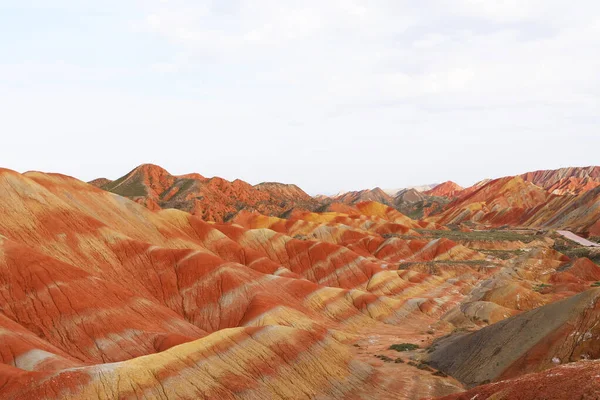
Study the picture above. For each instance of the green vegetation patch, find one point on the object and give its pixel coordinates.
(187, 183)
(111, 185)
(488, 236)
(399, 236)
(442, 263)
(541, 287)
(132, 188)
(404, 347)
(183, 184)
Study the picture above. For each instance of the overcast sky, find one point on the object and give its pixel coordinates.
(329, 94)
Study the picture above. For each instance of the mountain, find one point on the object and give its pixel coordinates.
(572, 180)
(412, 202)
(498, 202)
(447, 189)
(419, 188)
(548, 199)
(376, 194)
(214, 199)
(138, 289)
(542, 199)
(418, 204)
(579, 213)
(94, 284)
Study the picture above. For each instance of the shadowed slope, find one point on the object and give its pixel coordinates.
(560, 332)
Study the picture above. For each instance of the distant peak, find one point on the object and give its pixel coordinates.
(150, 169)
(445, 189)
(99, 182)
(193, 175)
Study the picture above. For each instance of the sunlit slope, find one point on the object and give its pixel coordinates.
(102, 295)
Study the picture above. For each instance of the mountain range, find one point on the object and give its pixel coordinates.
(183, 287)
(564, 198)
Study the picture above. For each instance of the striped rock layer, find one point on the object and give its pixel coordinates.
(101, 297)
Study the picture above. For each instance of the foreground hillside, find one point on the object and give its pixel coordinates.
(104, 297)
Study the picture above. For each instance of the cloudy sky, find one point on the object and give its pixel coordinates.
(329, 94)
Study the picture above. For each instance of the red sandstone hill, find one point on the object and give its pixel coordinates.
(410, 202)
(544, 199)
(573, 180)
(103, 297)
(498, 202)
(376, 194)
(446, 189)
(214, 199)
(552, 199)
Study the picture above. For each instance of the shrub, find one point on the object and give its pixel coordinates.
(540, 287)
(404, 347)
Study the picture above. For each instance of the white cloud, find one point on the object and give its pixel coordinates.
(362, 90)
(340, 48)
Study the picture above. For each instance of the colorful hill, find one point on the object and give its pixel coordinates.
(213, 199)
(498, 202)
(140, 290)
(447, 189)
(565, 180)
(376, 195)
(100, 293)
(417, 204)
(568, 198)
(540, 199)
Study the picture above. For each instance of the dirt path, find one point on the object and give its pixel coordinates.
(578, 239)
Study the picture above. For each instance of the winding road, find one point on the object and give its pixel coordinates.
(578, 239)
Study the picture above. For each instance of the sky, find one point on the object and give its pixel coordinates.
(331, 95)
